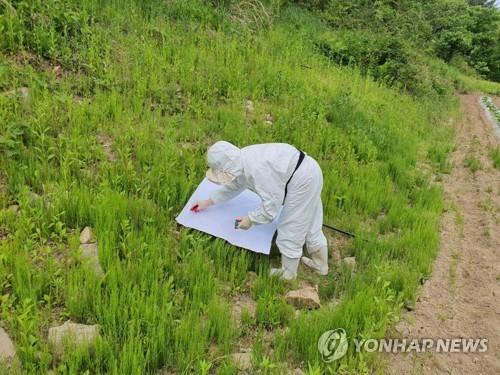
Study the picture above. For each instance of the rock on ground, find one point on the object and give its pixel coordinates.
(7, 350)
(90, 254)
(79, 334)
(34, 199)
(242, 360)
(14, 208)
(87, 236)
(249, 107)
(305, 297)
(24, 92)
(106, 142)
(250, 280)
(243, 303)
(268, 119)
(350, 262)
(334, 303)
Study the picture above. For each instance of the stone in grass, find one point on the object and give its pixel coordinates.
(268, 119)
(249, 107)
(334, 303)
(87, 236)
(350, 262)
(90, 254)
(243, 360)
(34, 199)
(165, 371)
(14, 208)
(298, 371)
(250, 280)
(69, 332)
(7, 350)
(241, 304)
(305, 297)
(23, 92)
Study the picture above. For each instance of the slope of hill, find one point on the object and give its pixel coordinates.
(106, 112)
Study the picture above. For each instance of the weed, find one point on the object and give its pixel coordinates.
(473, 163)
(495, 157)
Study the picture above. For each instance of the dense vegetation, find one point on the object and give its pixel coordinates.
(404, 42)
(119, 102)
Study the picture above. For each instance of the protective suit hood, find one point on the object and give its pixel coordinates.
(226, 157)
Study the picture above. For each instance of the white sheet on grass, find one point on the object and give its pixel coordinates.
(218, 220)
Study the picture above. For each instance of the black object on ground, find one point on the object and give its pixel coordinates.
(349, 234)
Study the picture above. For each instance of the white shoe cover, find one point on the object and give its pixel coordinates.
(318, 261)
(288, 270)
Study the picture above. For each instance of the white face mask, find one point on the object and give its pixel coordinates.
(219, 177)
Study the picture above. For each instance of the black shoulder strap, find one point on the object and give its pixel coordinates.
(299, 162)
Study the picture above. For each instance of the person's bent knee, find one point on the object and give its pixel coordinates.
(290, 249)
(316, 243)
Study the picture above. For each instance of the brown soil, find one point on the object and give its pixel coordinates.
(462, 297)
(496, 100)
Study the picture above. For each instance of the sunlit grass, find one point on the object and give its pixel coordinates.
(162, 83)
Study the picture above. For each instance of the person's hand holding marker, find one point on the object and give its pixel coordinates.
(242, 223)
(202, 205)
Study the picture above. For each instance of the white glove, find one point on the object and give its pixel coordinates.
(243, 223)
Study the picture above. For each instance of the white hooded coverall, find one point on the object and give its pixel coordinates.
(265, 170)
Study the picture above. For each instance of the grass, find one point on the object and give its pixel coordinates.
(464, 79)
(473, 84)
(473, 163)
(160, 84)
(495, 157)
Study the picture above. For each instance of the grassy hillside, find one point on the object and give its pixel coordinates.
(400, 42)
(122, 101)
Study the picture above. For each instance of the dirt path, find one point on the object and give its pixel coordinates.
(462, 297)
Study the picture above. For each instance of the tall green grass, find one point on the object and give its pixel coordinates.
(163, 81)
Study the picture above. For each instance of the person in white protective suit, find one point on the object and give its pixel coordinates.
(280, 175)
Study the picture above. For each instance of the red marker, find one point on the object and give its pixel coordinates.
(194, 208)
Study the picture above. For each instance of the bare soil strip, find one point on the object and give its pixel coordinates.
(462, 297)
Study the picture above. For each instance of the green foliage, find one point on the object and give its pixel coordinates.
(49, 28)
(495, 157)
(394, 41)
(471, 32)
(115, 138)
(272, 311)
(386, 59)
(473, 163)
